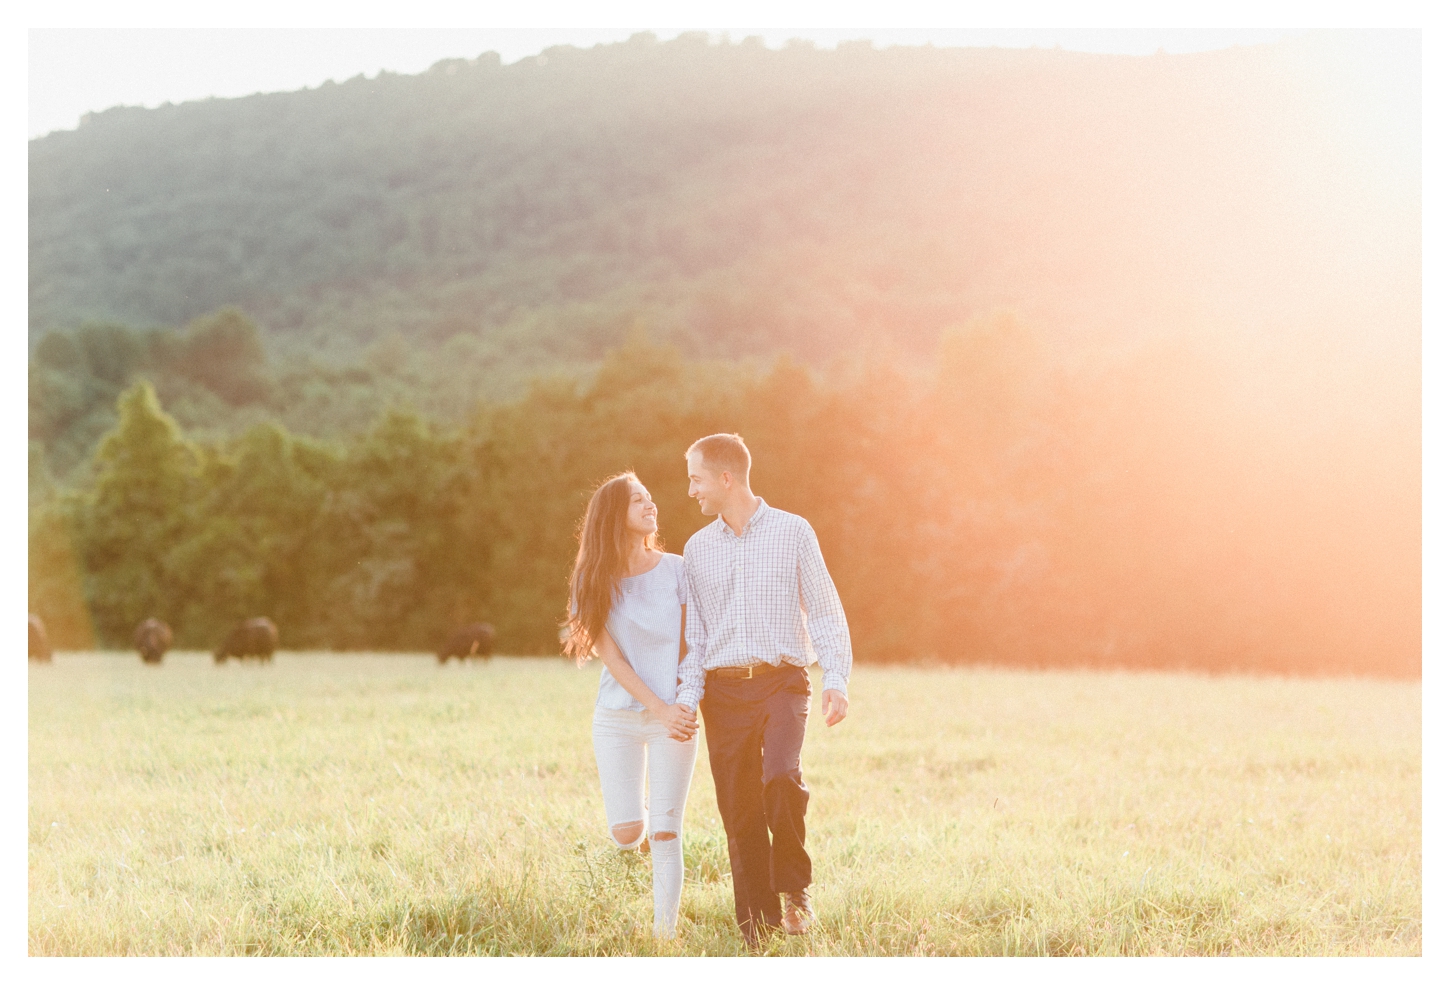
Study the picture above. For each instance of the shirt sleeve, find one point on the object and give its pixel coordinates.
(825, 618)
(692, 669)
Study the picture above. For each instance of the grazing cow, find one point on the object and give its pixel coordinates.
(39, 642)
(473, 640)
(250, 638)
(152, 639)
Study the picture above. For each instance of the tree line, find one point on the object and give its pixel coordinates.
(1006, 505)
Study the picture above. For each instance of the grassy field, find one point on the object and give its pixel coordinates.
(380, 804)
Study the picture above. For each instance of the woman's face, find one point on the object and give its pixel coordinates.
(642, 518)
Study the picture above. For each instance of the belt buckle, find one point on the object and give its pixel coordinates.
(749, 672)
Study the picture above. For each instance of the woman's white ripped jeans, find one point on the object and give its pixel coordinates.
(628, 746)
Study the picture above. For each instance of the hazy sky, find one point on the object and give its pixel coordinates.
(76, 71)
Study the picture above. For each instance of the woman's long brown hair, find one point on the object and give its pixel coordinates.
(600, 564)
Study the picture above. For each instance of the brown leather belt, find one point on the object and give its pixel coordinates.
(744, 673)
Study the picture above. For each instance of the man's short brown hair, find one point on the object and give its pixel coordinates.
(724, 453)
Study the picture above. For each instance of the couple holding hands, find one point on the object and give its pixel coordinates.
(728, 628)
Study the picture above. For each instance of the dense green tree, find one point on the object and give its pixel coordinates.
(56, 593)
(256, 547)
(138, 517)
(403, 571)
(991, 427)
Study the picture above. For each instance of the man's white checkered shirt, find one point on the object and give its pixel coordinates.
(764, 596)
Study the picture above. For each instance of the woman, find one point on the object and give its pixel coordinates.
(626, 606)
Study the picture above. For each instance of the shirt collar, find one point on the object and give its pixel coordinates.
(758, 515)
(760, 511)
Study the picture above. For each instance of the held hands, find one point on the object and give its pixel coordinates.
(833, 706)
(679, 721)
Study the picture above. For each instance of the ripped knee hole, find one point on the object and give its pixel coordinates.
(663, 836)
(627, 833)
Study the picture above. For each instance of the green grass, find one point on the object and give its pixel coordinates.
(383, 805)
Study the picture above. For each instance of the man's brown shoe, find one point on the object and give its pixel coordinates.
(797, 917)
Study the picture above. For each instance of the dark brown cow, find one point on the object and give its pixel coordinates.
(250, 638)
(39, 643)
(152, 639)
(473, 640)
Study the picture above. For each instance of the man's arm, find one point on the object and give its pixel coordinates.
(692, 667)
(825, 618)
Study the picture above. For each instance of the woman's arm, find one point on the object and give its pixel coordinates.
(678, 720)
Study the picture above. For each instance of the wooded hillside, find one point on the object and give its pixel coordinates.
(737, 199)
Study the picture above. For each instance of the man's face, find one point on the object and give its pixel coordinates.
(705, 485)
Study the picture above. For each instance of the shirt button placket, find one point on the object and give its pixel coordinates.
(740, 595)
(747, 638)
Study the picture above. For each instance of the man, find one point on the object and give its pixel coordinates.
(760, 600)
